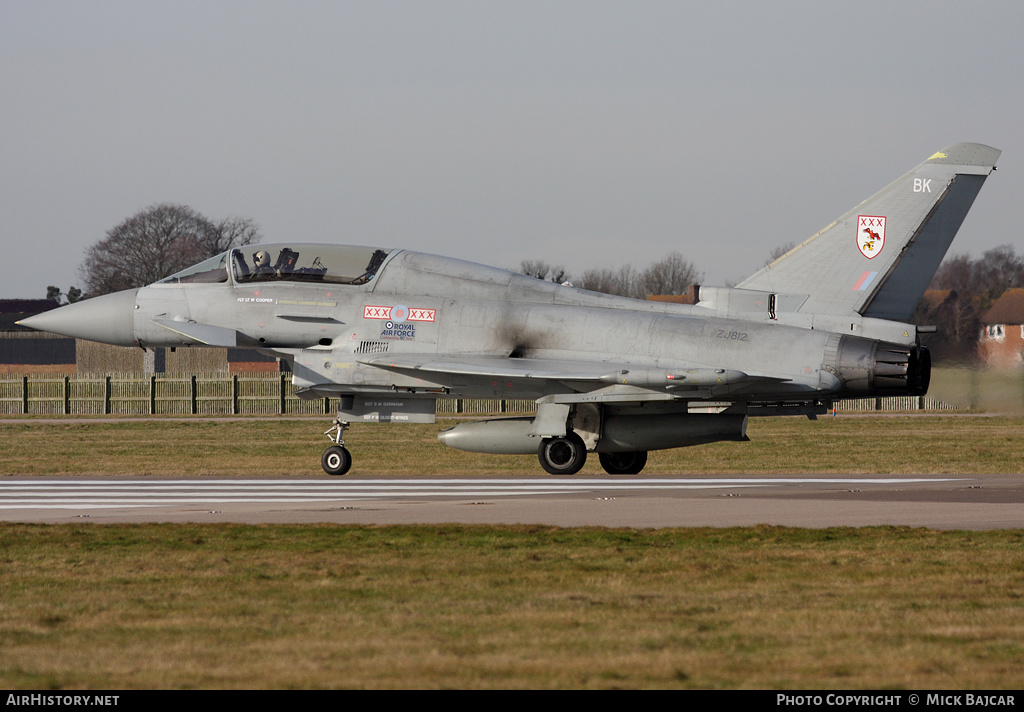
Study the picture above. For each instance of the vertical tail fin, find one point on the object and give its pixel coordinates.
(878, 259)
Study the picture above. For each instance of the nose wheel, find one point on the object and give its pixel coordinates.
(336, 459)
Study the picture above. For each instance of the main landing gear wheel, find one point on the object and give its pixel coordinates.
(623, 463)
(562, 456)
(336, 460)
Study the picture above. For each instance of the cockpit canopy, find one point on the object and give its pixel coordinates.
(311, 263)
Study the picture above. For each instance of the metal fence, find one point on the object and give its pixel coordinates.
(132, 394)
(893, 404)
(251, 394)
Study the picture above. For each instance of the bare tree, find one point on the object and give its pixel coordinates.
(672, 275)
(157, 242)
(233, 232)
(621, 281)
(778, 252)
(961, 291)
(998, 270)
(984, 279)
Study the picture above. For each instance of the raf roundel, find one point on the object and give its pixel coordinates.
(399, 313)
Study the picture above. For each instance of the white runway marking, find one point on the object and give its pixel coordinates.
(111, 494)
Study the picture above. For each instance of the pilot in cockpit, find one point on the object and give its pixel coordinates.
(261, 263)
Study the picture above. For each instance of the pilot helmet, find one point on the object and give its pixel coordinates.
(262, 258)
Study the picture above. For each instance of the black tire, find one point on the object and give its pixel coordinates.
(336, 460)
(562, 456)
(623, 463)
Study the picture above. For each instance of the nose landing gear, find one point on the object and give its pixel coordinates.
(336, 459)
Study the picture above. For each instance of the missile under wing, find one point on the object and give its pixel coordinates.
(388, 331)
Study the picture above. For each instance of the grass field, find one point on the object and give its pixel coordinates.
(231, 606)
(921, 444)
(228, 606)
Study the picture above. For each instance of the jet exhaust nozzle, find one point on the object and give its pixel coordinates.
(881, 368)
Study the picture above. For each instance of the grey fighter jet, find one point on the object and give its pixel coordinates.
(388, 331)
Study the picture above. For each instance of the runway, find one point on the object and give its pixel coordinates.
(973, 503)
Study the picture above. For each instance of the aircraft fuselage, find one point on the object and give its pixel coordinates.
(390, 331)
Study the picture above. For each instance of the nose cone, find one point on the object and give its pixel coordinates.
(109, 319)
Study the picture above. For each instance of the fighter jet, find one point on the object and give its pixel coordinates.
(389, 331)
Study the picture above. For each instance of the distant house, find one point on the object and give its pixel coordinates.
(1001, 344)
(691, 297)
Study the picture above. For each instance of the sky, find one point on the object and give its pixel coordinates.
(584, 133)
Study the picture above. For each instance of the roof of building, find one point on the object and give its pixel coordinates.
(1008, 309)
(691, 297)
